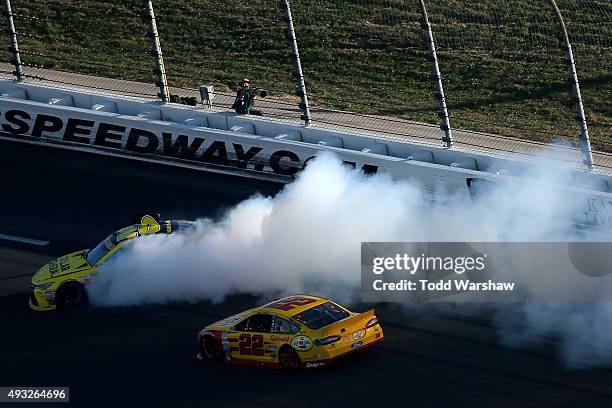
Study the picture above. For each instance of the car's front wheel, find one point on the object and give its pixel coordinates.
(211, 349)
(70, 294)
(288, 358)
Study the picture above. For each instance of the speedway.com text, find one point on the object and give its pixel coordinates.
(413, 264)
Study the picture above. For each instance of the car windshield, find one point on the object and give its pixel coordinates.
(94, 255)
(321, 315)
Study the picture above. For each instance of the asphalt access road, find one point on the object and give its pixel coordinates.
(145, 356)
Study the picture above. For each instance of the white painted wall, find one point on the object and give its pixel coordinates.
(432, 166)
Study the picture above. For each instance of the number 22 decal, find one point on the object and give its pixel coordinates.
(251, 345)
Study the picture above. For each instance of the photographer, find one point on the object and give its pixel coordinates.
(245, 98)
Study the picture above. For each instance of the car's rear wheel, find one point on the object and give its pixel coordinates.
(211, 349)
(288, 358)
(70, 294)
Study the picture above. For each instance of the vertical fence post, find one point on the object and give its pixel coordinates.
(160, 69)
(301, 85)
(585, 142)
(12, 33)
(435, 76)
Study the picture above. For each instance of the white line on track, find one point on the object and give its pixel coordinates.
(24, 240)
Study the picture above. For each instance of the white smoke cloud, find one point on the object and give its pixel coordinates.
(307, 240)
(583, 331)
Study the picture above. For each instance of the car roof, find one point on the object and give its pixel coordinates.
(291, 305)
(134, 231)
(126, 233)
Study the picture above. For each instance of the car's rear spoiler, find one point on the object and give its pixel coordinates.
(362, 318)
(152, 224)
(148, 224)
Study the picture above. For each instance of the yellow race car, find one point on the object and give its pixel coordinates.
(60, 283)
(299, 331)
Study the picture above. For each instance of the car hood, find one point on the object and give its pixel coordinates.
(71, 263)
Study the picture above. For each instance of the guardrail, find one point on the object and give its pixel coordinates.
(344, 38)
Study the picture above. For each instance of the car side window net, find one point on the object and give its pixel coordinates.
(259, 323)
(280, 325)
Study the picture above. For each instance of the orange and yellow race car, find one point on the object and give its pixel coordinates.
(299, 331)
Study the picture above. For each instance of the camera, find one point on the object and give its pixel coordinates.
(260, 92)
(184, 100)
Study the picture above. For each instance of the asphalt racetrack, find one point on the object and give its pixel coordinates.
(145, 356)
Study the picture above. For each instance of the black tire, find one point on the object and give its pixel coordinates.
(211, 349)
(69, 295)
(288, 358)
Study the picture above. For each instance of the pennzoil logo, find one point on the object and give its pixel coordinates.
(301, 343)
(358, 334)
